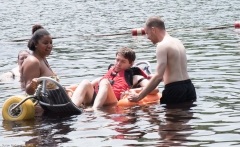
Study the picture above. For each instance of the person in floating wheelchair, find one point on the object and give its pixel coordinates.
(119, 78)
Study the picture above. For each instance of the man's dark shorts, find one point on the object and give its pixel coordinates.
(178, 92)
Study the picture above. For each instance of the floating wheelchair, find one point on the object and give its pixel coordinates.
(55, 100)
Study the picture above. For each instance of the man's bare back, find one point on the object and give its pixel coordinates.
(171, 66)
(172, 52)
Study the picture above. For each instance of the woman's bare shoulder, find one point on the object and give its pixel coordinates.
(31, 61)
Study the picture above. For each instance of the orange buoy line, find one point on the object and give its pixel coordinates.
(139, 32)
(237, 25)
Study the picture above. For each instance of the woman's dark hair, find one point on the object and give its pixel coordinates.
(37, 33)
(36, 27)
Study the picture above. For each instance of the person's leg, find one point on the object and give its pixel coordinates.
(70, 89)
(73, 87)
(105, 95)
(83, 93)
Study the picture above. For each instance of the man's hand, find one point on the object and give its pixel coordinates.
(133, 96)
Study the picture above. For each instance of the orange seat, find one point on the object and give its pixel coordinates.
(151, 98)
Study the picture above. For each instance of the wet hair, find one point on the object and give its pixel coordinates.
(155, 21)
(36, 27)
(25, 51)
(127, 53)
(37, 33)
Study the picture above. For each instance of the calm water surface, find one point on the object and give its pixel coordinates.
(213, 65)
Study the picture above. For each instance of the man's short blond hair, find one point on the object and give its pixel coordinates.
(155, 21)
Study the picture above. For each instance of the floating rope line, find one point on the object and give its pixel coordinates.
(86, 36)
(141, 32)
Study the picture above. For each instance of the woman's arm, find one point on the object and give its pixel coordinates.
(31, 71)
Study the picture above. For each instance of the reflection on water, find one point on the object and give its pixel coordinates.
(213, 65)
(47, 129)
(50, 132)
(147, 125)
(176, 128)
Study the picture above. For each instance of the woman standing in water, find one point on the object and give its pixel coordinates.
(36, 64)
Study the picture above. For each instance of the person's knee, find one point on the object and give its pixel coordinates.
(104, 82)
(85, 83)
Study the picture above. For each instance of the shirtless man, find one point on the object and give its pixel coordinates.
(171, 66)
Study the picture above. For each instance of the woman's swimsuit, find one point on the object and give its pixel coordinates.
(51, 85)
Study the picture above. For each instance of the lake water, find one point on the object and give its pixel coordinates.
(213, 65)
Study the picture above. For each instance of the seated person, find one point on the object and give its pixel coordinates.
(107, 90)
(15, 72)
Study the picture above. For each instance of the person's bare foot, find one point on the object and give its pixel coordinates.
(89, 110)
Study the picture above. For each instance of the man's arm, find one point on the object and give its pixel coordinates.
(161, 54)
(139, 80)
(138, 90)
(153, 83)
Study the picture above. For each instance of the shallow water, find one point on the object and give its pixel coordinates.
(213, 65)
